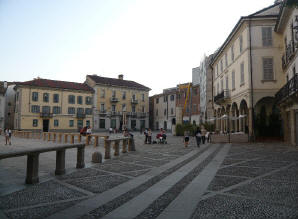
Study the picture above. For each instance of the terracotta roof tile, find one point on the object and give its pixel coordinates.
(117, 82)
(56, 84)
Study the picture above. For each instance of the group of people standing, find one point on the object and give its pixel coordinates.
(148, 136)
(201, 135)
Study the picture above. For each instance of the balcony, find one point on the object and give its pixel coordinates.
(132, 114)
(102, 112)
(114, 113)
(134, 101)
(289, 54)
(81, 115)
(222, 97)
(114, 99)
(142, 115)
(46, 115)
(288, 90)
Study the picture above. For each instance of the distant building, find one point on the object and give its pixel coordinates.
(202, 76)
(119, 103)
(50, 105)
(3, 87)
(10, 102)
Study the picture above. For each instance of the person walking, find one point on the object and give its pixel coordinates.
(6, 133)
(9, 136)
(186, 138)
(203, 134)
(198, 137)
(149, 136)
(146, 136)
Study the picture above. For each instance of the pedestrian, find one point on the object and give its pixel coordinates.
(186, 138)
(149, 136)
(9, 134)
(6, 133)
(110, 130)
(198, 137)
(203, 134)
(146, 136)
(207, 136)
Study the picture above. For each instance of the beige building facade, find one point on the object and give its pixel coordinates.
(49, 105)
(286, 97)
(247, 73)
(119, 103)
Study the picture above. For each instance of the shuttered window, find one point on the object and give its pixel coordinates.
(232, 53)
(227, 83)
(240, 43)
(267, 36)
(226, 60)
(268, 69)
(221, 66)
(242, 73)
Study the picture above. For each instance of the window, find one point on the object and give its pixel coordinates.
(232, 53)
(56, 122)
(34, 96)
(102, 107)
(71, 110)
(71, 123)
(35, 109)
(71, 99)
(240, 43)
(157, 100)
(46, 109)
(102, 123)
(56, 110)
(80, 110)
(45, 97)
(172, 111)
(88, 111)
(267, 36)
(165, 98)
(35, 123)
(123, 95)
(165, 112)
(56, 98)
(143, 97)
(79, 99)
(102, 94)
(133, 109)
(156, 113)
(227, 83)
(88, 100)
(172, 98)
(133, 97)
(143, 109)
(87, 122)
(268, 69)
(217, 70)
(226, 59)
(233, 80)
(242, 73)
(113, 108)
(113, 93)
(123, 107)
(221, 66)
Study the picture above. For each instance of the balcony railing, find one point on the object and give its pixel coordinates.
(102, 112)
(134, 101)
(221, 97)
(81, 115)
(289, 54)
(290, 88)
(46, 115)
(114, 99)
(132, 114)
(142, 115)
(114, 113)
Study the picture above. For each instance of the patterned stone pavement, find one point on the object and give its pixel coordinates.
(215, 181)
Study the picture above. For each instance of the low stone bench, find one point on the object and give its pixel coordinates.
(96, 137)
(125, 141)
(33, 159)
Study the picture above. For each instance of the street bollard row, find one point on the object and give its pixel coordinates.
(127, 144)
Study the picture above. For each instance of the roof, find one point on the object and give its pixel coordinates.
(269, 12)
(39, 82)
(118, 82)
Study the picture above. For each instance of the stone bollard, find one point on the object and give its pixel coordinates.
(124, 146)
(116, 148)
(96, 157)
(107, 149)
(131, 144)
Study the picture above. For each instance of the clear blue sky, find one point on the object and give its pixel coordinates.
(153, 42)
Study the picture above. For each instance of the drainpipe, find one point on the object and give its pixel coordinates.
(251, 86)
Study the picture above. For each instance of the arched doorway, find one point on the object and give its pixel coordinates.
(243, 117)
(235, 116)
(267, 120)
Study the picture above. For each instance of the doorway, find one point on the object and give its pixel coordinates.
(45, 125)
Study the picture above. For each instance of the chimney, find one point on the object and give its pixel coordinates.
(5, 84)
(120, 77)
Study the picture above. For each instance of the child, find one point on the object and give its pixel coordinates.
(186, 138)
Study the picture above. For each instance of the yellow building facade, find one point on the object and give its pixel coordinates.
(49, 105)
(247, 73)
(119, 103)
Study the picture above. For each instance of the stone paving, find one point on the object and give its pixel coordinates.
(213, 181)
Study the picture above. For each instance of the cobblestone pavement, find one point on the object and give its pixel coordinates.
(157, 181)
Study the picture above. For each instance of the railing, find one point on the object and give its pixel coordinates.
(114, 113)
(81, 115)
(290, 88)
(134, 101)
(289, 54)
(142, 115)
(225, 94)
(114, 99)
(46, 115)
(132, 114)
(102, 112)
